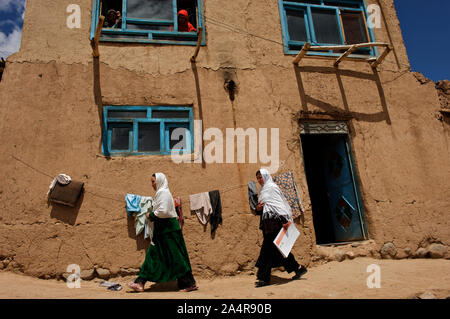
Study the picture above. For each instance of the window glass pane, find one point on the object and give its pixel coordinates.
(340, 4)
(326, 26)
(120, 138)
(354, 27)
(147, 27)
(105, 37)
(148, 137)
(150, 9)
(161, 114)
(127, 114)
(296, 25)
(178, 137)
(307, 1)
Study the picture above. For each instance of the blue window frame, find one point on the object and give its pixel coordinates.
(140, 130)
(325, 23)
(149, 21)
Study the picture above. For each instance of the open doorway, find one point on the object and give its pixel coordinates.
(335, 198)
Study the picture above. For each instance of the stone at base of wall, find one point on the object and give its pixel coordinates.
(327, 253)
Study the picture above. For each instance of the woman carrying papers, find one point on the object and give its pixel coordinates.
(275, 214)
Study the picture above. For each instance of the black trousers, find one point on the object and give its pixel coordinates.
(270, 257)
(183, 282)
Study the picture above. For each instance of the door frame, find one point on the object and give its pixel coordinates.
(338, 127)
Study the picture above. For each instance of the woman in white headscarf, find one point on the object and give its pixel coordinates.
(275, 213)
(168, 258)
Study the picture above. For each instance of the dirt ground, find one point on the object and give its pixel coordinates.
(399, 279)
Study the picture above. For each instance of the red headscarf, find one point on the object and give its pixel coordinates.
(188, 27)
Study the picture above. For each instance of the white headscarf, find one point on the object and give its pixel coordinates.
(275, 203)
(163, 206)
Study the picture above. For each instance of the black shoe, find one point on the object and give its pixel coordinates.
(299, 273)
(261, 283)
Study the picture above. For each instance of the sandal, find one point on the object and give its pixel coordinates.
(136, 287)
(261, 283)
(192, 288)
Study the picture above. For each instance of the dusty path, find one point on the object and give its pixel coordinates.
(348, 279)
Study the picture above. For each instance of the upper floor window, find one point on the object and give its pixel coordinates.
(149, 21)
(137, 130)
(324, 22)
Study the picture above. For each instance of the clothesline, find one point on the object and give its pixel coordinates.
(122, 193)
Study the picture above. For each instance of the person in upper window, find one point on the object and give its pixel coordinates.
(183, 22)
(113, 19)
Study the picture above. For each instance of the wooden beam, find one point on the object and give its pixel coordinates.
(94, 41)
(381, 57)
(342, 57)
(199, 42)
(302, 53)
(346, 47)
(349, 49)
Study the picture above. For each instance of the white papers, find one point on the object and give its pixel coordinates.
(286, 239)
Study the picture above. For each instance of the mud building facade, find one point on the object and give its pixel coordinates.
(379, 130)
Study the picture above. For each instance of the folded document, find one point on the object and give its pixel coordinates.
(285, 239)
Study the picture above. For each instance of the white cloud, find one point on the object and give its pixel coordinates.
(10, 43)
(7, 5)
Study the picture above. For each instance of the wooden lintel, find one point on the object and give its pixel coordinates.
(95, 40)
(445, 111)
(337, 116)
(199, 42)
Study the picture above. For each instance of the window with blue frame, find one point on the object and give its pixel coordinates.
(138, 130)
(148, 21)
(324, 23)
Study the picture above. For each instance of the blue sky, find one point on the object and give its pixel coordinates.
(425, 27)
(11, 21)
(426, 32)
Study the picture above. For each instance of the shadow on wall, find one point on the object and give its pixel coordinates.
(66, 214)
(330, 109)
(199, 101)
(99, 101)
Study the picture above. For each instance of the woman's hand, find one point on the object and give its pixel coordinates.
(286, 226)
(259, 206)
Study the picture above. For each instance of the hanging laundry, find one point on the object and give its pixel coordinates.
(146, 206)
(216, 213)
(252, 196)
(64, 191)
(179, 211)
(141, 205)
(201, 206)
(286, 183)
(63, 179)
(132, 202)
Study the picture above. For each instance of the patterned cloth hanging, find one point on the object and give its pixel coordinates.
(286, 183)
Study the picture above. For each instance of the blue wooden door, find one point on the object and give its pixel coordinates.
(342, 193)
